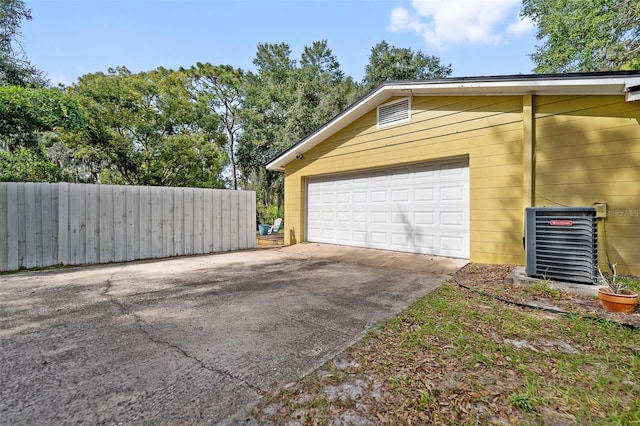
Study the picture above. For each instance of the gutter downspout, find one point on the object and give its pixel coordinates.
(528, 155)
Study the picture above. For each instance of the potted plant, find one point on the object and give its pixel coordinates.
(616, 296)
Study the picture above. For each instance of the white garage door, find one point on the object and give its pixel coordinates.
(420, 208)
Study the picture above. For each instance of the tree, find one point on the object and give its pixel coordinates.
(144, 129)
(284, 103)
(30, 119)
(220, 90)
(28, 165)
(15, 69)
(27, 112)
(585, 35)
(393, 63)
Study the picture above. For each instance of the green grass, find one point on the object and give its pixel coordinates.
(631, 283)
(457, 357)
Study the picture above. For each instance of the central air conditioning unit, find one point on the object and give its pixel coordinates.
(561, 243)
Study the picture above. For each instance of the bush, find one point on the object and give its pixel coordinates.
(269, 213)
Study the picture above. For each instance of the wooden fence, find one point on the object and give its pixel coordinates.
(44, 224)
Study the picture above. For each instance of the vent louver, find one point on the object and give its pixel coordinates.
(561, 243)
(394, 112)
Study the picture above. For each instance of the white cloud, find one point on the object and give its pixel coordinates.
(521, 26)
(59, 79)
(447, 22)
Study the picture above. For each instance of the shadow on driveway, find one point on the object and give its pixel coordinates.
(184, 340)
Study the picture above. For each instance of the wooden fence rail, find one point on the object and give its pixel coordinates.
(43, 224)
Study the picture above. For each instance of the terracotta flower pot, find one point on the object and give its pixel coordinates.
(617, 302)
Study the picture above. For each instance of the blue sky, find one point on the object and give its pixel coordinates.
(67, 39)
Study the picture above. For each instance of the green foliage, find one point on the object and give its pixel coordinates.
(144, 129)
(269, 213)
(15, 69)
(393, 63)
(543, 289)
(28, 165)
(631, 283)
(285, 102)
(586, 35)
(220, 90)
(27, 112)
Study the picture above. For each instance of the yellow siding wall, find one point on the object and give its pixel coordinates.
(486, 129)
(588, 150)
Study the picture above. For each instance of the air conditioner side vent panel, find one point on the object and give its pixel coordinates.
(561, 243)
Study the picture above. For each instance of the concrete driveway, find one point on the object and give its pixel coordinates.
(190, 340)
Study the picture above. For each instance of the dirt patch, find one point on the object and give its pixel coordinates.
(490, 279)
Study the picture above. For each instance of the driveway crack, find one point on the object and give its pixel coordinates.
(143, 325)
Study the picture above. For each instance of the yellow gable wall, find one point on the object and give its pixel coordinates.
(486, 129)
(587, 151)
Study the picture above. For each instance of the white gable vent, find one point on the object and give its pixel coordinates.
(394, 112)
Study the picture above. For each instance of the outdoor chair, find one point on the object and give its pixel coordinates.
(277, 224)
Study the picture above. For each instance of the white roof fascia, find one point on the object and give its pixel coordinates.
(584, 85)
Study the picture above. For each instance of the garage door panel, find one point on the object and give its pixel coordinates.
(315, 199)
(400, 240)
(360, 197)
(399, 218)
(454, 168)
(379, 196)
(360, 216)
(399, 195)
(424, 218)
(379, 217)
(359, 236)
(426, 244)
(424, 194)
(328, 233)
(400, 175)
(452, 218)
(422, 209)
(343, 235)
(343, 216)
(424, 173)
(343, 198)
(379, 237)
(452, 193)
(451, 244)
(328, 216)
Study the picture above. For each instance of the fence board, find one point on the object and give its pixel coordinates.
(156, 221)
(178, 220)
(144, 223)
(198, 214)
(92, 220)
(233, 220)
(217, 219)
(4, 230)
(133, 231)
(187, 241)
(29, 226)
(63, 224)
(119, 223)
(242, 223)
(253, 218)
(207, 221)
(105, 192)
(167, 222)
(77, 213)
(226, 221)
(48, 220)
(13, 230)
(47, 224)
